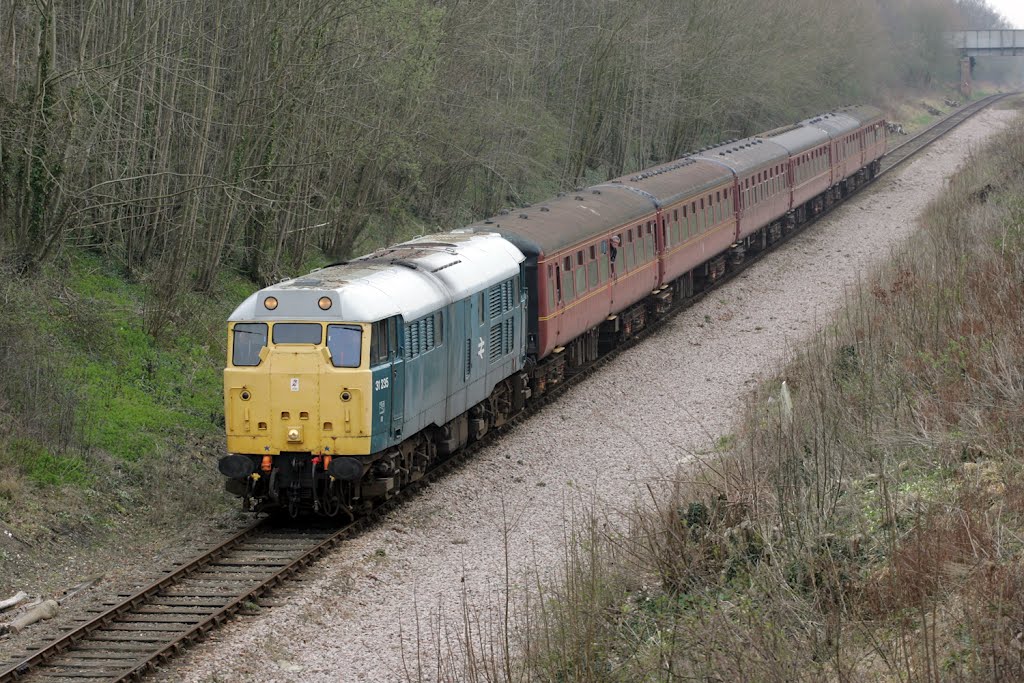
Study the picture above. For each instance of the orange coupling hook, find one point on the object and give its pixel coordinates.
(327, 462)
(267, 463)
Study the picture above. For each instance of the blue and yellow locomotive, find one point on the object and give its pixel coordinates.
(345, 384)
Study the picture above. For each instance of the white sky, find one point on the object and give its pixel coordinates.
(1011, 9)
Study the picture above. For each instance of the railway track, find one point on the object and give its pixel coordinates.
(131, 635)
(911, 146)
(124, 640)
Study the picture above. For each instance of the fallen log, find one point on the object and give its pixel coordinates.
(44, 610)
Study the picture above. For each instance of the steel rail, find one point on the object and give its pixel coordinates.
(153, 650)
(910, 147)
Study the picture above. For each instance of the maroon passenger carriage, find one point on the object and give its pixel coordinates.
(600, 261)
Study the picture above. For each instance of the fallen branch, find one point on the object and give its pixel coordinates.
(21, 596)
(78, 588)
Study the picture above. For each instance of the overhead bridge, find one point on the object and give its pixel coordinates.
(995, 43)
(983, 43)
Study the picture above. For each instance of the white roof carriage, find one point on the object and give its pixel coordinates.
(410, 279)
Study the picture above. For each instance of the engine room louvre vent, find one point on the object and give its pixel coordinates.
(495, 300)
(509, 335)
(412, 342)
(421, 336)
(500, 299)
(495, 347)
(469, 357)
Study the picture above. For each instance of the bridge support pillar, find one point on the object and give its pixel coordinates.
(965, 77)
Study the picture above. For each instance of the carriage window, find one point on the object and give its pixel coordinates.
(248, 339)
(345, 342)
(566, 286)
(579, 257)
(567, 263)
(298, 333)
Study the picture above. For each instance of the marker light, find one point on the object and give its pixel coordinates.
(325, 303)
(270, 303)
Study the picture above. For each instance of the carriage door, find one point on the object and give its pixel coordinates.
(661, 246)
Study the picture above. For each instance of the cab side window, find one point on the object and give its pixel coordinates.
(383, 341)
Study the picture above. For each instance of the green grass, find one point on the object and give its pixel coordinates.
(43, 468)
(137, 395)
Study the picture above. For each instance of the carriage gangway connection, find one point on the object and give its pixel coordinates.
(129, 636)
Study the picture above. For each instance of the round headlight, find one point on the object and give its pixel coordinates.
(270, 303)
(345, 396)
(245, 395)
(325, 303)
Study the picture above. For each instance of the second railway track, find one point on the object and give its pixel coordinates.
(131, 635)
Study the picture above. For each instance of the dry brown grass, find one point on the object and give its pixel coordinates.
(866, 521)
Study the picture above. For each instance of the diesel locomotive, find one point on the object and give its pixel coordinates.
(346, 384)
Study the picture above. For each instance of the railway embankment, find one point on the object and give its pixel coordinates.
(108, 435)
(863, 519)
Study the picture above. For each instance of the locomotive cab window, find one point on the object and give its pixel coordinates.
(345, 342)
(383, 340)
(247, 340)
(298, 333)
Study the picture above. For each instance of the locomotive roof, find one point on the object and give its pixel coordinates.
(409, 279)
(797, 139)
(668, 183)
(748, 154)
(568, 219)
